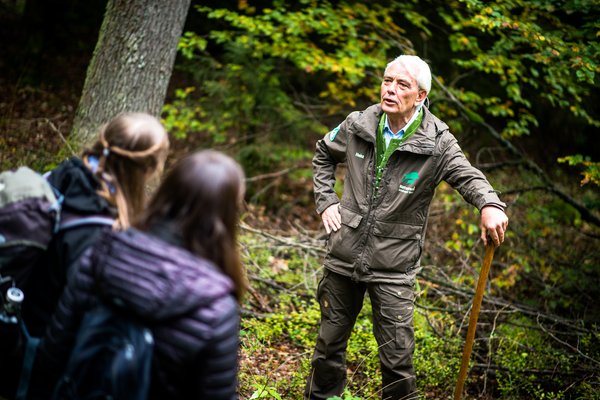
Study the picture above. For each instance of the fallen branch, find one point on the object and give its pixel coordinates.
(562, 342)
(271, 175)
(436, 281)
(490, 300)
(315, 246)
(534, 371)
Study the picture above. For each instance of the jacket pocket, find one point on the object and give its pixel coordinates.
(397, 247)
(344, 241)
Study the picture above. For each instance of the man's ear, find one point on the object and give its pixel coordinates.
(421, 95)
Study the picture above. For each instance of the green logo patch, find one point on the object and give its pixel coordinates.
(334, 133)
(410, 178)
(407, 185)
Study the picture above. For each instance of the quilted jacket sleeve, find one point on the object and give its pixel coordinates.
(217, 364)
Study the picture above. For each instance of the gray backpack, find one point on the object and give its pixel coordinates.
(30, 215)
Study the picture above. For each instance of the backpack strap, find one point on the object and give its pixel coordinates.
(75, 222)
(31, 345)
(70, 220)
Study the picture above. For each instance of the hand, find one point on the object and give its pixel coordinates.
(493, 224)
(332, 220)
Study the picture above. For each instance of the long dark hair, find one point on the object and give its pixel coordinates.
(201, 198)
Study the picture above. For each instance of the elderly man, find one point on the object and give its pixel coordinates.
(396, 153)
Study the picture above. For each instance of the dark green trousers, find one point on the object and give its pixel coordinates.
(341, 300)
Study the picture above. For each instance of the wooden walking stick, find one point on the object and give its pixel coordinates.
(485, 269)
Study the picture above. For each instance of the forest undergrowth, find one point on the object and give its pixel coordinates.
(537, 336)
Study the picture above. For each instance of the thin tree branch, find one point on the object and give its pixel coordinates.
(491, 369)
(60, 134)
(271, 175)
(575, 349)
(498, 165)
(586, 214)
(315, 246)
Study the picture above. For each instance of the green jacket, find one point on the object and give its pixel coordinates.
(382, 235)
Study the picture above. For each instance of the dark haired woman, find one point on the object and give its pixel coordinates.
(179, 271)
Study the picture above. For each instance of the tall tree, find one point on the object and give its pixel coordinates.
(132, 62)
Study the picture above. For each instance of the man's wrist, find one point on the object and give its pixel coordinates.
(498, 206)
(326, 204)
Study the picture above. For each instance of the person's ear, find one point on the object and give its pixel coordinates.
(421, 95)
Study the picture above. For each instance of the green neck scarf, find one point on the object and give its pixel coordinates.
(383, 153)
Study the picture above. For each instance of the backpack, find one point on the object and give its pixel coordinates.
(111, 359)
(30, 215)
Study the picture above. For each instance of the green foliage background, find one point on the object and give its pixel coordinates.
(289, 70)
(267, 79)
(516, 80)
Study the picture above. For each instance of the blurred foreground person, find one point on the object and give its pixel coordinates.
(103, 188)
(178, 271)
(107, 181)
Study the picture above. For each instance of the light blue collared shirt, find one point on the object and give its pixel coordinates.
(388, 135)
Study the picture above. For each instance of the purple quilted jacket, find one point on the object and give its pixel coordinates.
(188, 304)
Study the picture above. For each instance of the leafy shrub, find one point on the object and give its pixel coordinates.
(437, 358)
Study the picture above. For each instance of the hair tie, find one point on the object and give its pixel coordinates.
(106, 152)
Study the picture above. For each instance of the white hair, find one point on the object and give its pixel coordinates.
(423, 73)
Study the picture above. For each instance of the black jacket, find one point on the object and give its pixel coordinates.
(78, 185)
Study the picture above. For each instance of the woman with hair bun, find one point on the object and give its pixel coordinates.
(107, 181)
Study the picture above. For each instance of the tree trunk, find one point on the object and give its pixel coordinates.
(132, 63)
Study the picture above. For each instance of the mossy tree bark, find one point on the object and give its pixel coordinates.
(132, 63)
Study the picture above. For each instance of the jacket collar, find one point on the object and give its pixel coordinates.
(366, 124)
(421, 142)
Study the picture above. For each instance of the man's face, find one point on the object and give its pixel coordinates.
(399, 92)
